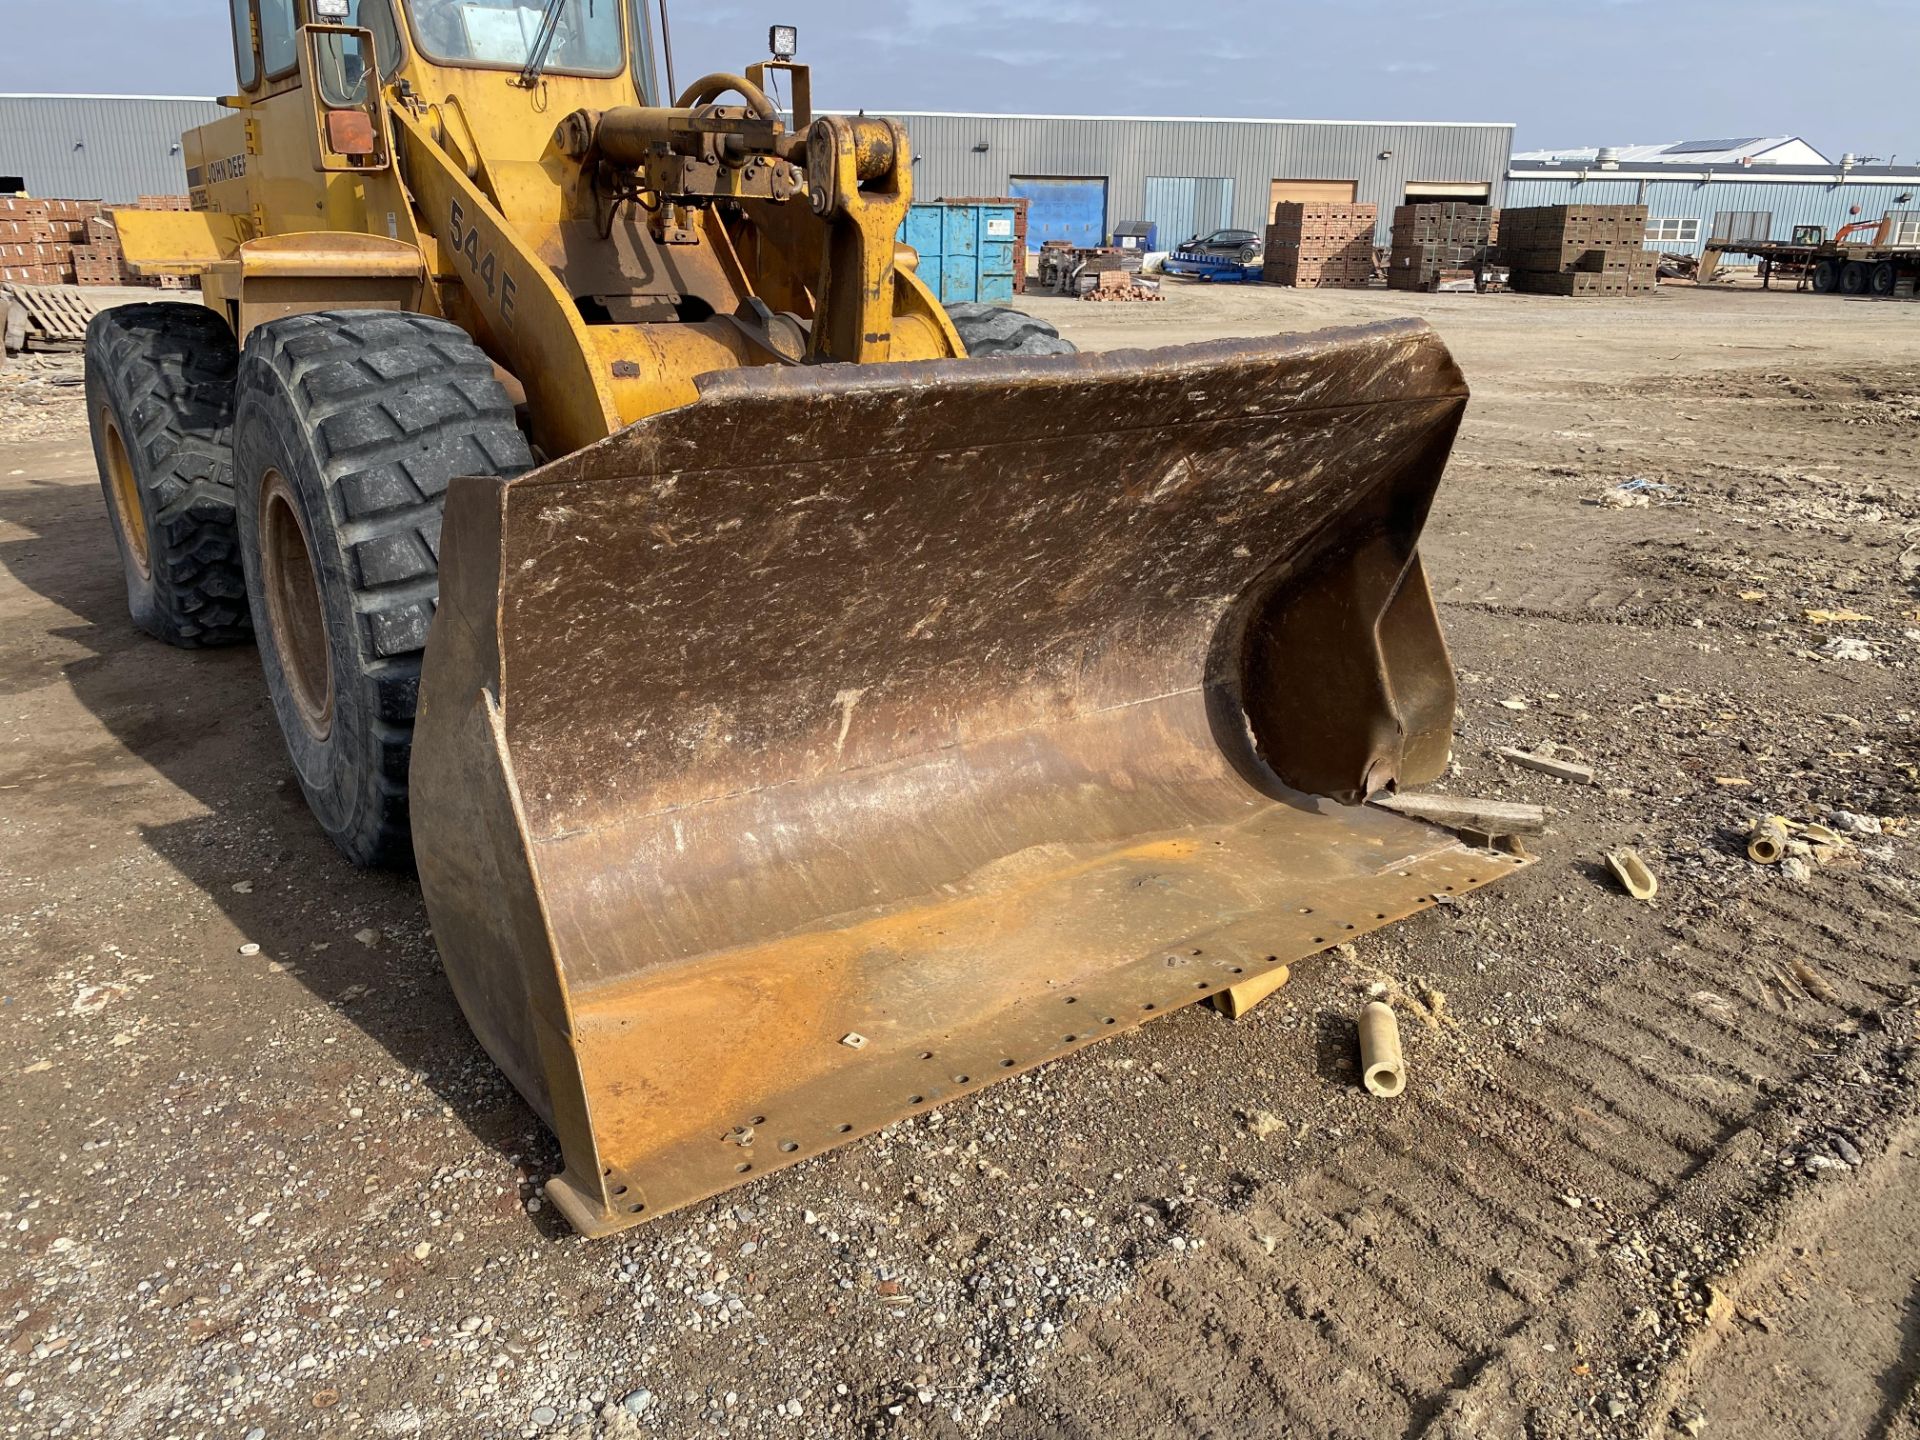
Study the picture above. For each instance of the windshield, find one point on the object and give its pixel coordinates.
(504, 34)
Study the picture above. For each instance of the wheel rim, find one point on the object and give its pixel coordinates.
(295, 617)
(125, 491)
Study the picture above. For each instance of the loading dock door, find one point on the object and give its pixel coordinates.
(1063, 207)
(1436, 192)
(1310, 192)
(1184, 206)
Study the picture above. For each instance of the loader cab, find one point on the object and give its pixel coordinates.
(266, 41)
(309, 148)
(603, 40)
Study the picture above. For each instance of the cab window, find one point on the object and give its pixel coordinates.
(277, 36)
(504, 34)
(646, 79)
(377, 16)
(343, 70)
(246, 64)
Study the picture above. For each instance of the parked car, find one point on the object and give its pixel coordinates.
(1241, 245)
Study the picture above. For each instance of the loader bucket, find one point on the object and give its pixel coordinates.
(854, 737)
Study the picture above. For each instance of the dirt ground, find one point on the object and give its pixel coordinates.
(1653, 1174)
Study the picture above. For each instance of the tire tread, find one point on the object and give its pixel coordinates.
(168, 370)
(392, 405)
(993, 330)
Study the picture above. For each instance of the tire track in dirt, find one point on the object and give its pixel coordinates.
(1821, 1313)
(1589, 593)
(1414, 1284)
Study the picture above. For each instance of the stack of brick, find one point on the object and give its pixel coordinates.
(1117, 284)
(69, 220)
(71, 242)
(1066, 267)
(1320, 246)
(99, 261)
(1102, 267)
(37, 238)
(1580, 250)
(1440, 243)
(40, 240)
(26, 243)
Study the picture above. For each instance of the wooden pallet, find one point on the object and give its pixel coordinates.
(55, 313)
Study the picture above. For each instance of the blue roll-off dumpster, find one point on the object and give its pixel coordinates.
(966, 250)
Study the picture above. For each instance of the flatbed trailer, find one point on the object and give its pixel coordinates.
(1885, 264)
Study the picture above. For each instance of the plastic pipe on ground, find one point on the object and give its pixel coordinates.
(1768, 842)
(1382, 1069)
(1636, 877)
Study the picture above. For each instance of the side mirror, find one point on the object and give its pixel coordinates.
(341, 72)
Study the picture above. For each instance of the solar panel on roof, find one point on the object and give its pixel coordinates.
(1703, 147)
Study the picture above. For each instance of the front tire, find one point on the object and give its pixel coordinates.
(160, 389)
(996, 330)
(347, 430)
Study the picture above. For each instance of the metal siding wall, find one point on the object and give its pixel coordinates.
(1212, 205)
(75, 147)
(1522, 194)
(1169, 206)
(127, 151)
(1791, 202)
(1250, 153)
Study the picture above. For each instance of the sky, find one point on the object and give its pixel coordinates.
(1566, 72)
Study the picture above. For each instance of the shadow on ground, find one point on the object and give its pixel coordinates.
(202, 721)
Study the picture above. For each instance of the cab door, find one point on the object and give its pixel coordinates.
(291, 189)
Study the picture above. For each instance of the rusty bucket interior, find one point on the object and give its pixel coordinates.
(855, 737)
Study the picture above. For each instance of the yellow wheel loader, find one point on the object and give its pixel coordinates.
(804, 704)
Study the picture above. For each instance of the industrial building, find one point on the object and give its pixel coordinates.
(1081, 174)
(1752, 150)
(97, 147)
(1701, 190)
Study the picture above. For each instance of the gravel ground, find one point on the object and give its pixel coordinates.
(256, 1178)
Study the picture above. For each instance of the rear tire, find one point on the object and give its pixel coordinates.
(1826, 275)
(160, 400)
(1853, 278)
(347, 429)
(1884, 279)
(988, 330)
